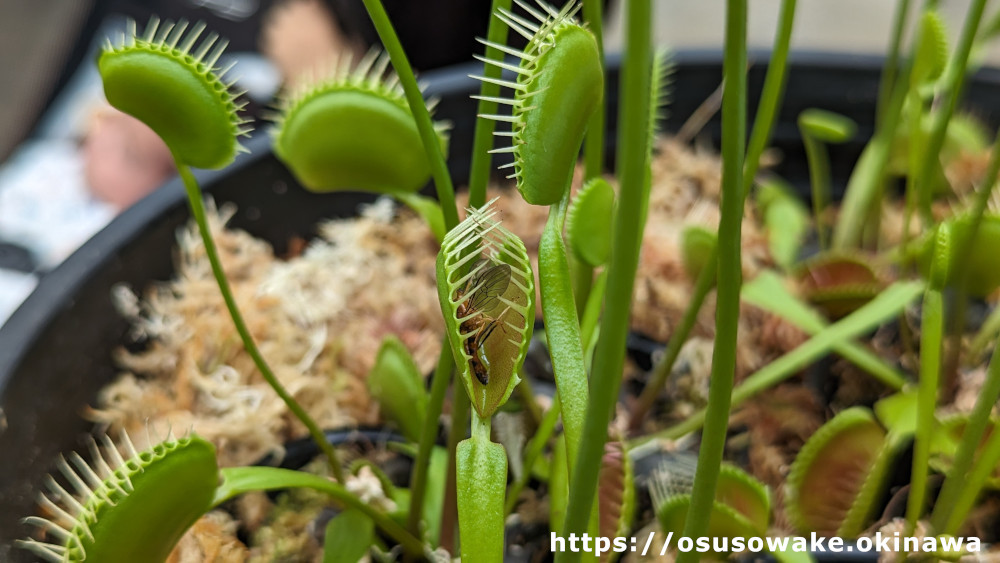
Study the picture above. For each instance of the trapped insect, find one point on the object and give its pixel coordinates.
(483, 291)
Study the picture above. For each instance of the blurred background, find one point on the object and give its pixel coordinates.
(69, 163)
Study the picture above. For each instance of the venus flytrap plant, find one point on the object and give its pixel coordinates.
(170, 84)
(146, 69)
(616, 492)
(818, 127)
(952, 84)
(158, 80)
(479, 175)
(930, 57)
(633, 170)
(837, 475)
(588, 234)
(771, 94)
(886, 306)
(486, 288)
(944, 518)
(395, 382)
(838, 282)
(741, 508)
(355, 130)
(125, 508)
(786, 220)
(864, 187)
(559, 85)
(449, 210)
(768, 292)
(841, 472)
(931, 335)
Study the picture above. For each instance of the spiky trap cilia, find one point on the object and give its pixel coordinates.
(354, 130)
(125, 508)
(560, 83)
(161, 79)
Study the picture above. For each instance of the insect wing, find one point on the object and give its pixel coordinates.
(489, 285)
(493, 337)
(487, 331)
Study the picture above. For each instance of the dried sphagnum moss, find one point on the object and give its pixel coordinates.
(685, 191)
(318, 319)
(212, 538)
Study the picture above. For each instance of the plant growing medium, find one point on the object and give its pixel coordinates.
(367, 127)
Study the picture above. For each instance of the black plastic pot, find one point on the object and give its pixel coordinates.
(55, 351)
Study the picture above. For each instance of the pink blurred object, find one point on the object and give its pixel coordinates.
(124, 160)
